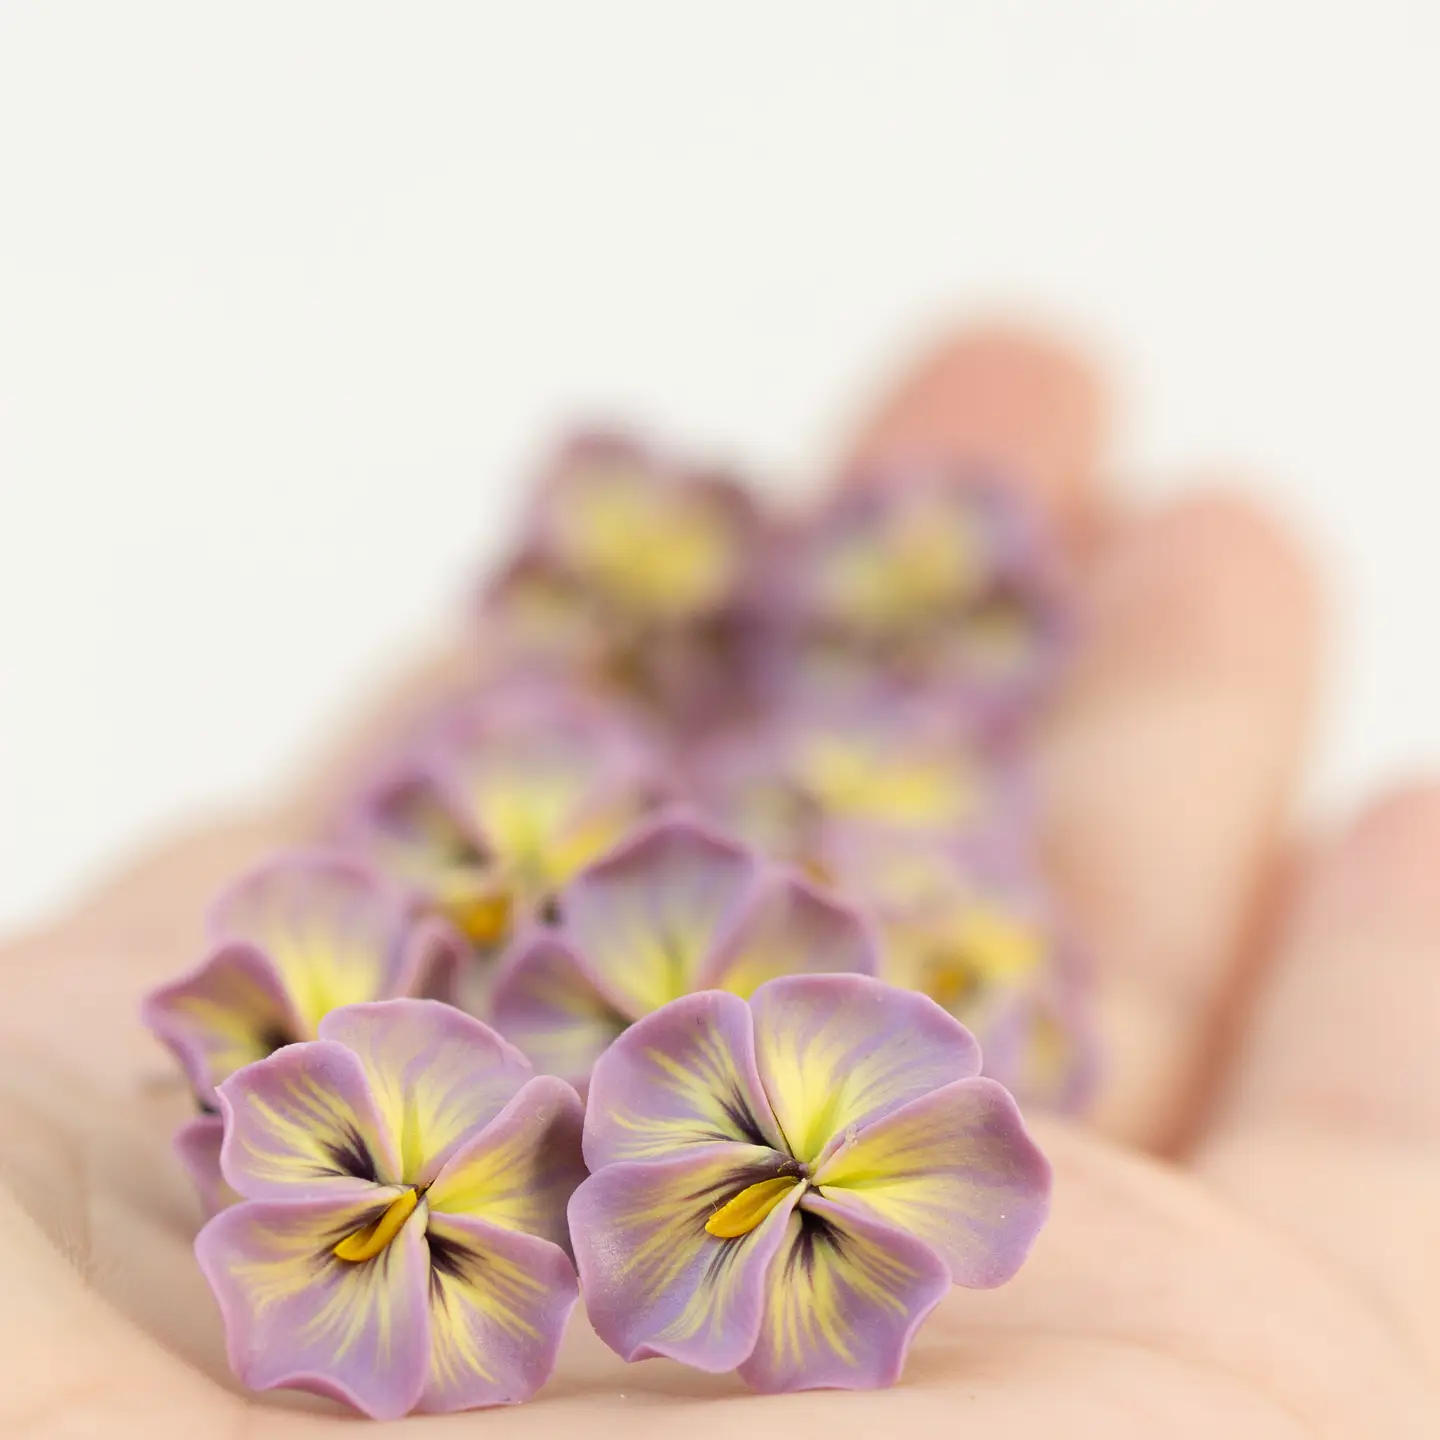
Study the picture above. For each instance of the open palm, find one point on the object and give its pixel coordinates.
(1243, 1241)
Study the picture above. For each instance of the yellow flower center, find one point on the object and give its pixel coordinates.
(988, 948)
(743, 1212)
(368, 1241)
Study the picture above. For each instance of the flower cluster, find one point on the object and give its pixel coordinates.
(730, 854)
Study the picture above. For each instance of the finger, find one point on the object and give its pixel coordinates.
(1330, 1123)
(73, 1365)
(1167, 772)
(1003, 400)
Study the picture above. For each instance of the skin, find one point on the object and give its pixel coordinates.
(1243, 1235)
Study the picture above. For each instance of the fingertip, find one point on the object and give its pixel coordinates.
(1006, 398)
(1221, 568)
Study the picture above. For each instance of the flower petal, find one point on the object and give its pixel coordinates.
(295, 1316)
(955, 1168)
(333, 931)
(549, 781)
(791, 927)
(438, 1076)
(229, 1012)
(499, 1302)
(416, 830)
(649, 915)
(303, 1124)
(844, 1297)
(520, 1171)
(836, 1052)
(197, 1147)
(548, 1002)
(684, 1076)
(655, 1281)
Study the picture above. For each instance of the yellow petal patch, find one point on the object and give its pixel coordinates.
(650, 548)
(741, 1214)
(985, 948)
(852, 778)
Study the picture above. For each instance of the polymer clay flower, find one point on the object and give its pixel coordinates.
(929, 579)
(502, 800)
(984, 941)
(635, 576)
(401, 1240)
(893, 765)
(677, 907)
(297, 937)
(787, 1187)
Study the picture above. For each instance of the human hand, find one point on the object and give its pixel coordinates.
(1242, 1239)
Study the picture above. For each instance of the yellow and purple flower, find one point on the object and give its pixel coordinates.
(981, 937)
(401, 1243)
(296, 938)
(787, 1186)
(502, 800)
(636, 577)
(888, 766)
(676, 907)
(930, 580)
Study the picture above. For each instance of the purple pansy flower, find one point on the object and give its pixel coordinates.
(929, 579)
(401, 1243)
(983, 940)
(894, 766)
(677, 907)
(502, 798)
(636, 576)
(297, 937)
(787, 1187)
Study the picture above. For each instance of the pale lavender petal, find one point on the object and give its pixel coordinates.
(299, 1318)
(230, 1011)
(197, 1147)
(656, 1282)
(304, 1125)
(843, 1299)
(438, 1076)
(335, 933)
(520, 1171)
(499, 1302)
(549, 1002)
(791, 927)
(837, 1052)
(417, 830)
(649, 916)
(955, 1168)
(684, 1076)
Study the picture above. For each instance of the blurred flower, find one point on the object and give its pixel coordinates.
(928, 580)
(290, 942)
(634, 576)
(788, 1186)
(983, 941)
(400, 1244)
(675, 908)
(502, 800)
(896, 765)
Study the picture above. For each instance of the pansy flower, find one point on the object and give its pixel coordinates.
(787, 1186)
(635, 576)
(985, 941)
(401, 1240)
(934, 580)
(502, 799)
(677, 907)
(304, 933)
(905, 767)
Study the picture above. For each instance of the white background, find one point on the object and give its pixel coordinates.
(290, 292)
